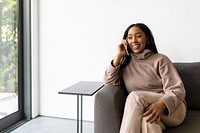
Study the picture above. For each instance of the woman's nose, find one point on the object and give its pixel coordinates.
(134, 39)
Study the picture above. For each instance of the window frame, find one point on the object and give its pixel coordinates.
(14, 120)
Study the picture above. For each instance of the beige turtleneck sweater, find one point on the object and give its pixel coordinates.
(149, 71)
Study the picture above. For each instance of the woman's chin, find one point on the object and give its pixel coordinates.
(137, 51)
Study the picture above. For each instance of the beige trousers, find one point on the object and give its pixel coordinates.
(133, 122)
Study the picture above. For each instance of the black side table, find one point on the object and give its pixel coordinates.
(87, 88)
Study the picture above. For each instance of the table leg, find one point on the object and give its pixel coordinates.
(77, 113)
(80, 112)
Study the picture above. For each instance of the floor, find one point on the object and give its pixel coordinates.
(43, 124)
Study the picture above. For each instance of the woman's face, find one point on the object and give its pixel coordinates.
(136, 39)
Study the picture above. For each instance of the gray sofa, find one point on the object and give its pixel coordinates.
(110, 100)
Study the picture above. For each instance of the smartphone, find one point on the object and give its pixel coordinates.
(126, 48)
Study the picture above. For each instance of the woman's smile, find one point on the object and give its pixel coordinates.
(135, 46)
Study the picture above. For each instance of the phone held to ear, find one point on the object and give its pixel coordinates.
(126, 49)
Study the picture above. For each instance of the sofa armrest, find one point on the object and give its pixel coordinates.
(109, 107)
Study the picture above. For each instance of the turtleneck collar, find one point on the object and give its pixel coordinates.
(143, 55)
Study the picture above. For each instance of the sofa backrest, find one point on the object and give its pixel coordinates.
(190, 75)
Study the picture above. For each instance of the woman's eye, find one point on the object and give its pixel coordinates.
(129, 37)
(139, 36)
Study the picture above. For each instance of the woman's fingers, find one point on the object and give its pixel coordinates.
(153, 113)
(158, 119)
(122, 48)
(147, 112)
(153, 116)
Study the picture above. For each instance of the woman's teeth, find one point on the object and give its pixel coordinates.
(136, 46)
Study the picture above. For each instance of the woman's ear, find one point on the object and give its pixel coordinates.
(148, 40)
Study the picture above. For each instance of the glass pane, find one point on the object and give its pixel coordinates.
(8, 58)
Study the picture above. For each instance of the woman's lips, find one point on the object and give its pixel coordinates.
(135, 46)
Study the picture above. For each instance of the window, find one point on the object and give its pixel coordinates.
(14, 62)
(8, 58)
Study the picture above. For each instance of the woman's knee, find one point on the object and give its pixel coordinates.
(136, 97)
(176, 118)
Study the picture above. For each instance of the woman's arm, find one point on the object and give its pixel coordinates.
(112, 75)
(173, 87)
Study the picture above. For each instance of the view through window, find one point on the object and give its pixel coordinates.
(8, 58)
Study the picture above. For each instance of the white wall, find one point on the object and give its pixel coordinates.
(78, 38)
(35, 57)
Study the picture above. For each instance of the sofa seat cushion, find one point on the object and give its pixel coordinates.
(190, 125)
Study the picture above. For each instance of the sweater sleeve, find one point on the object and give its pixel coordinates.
(112, 75)
(173, 87)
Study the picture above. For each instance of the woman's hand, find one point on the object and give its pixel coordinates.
(121, 52)
(154, 111)
(122, 48)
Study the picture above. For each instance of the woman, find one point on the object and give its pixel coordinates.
(156, 92)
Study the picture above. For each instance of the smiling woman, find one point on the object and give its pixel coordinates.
(155, 88)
